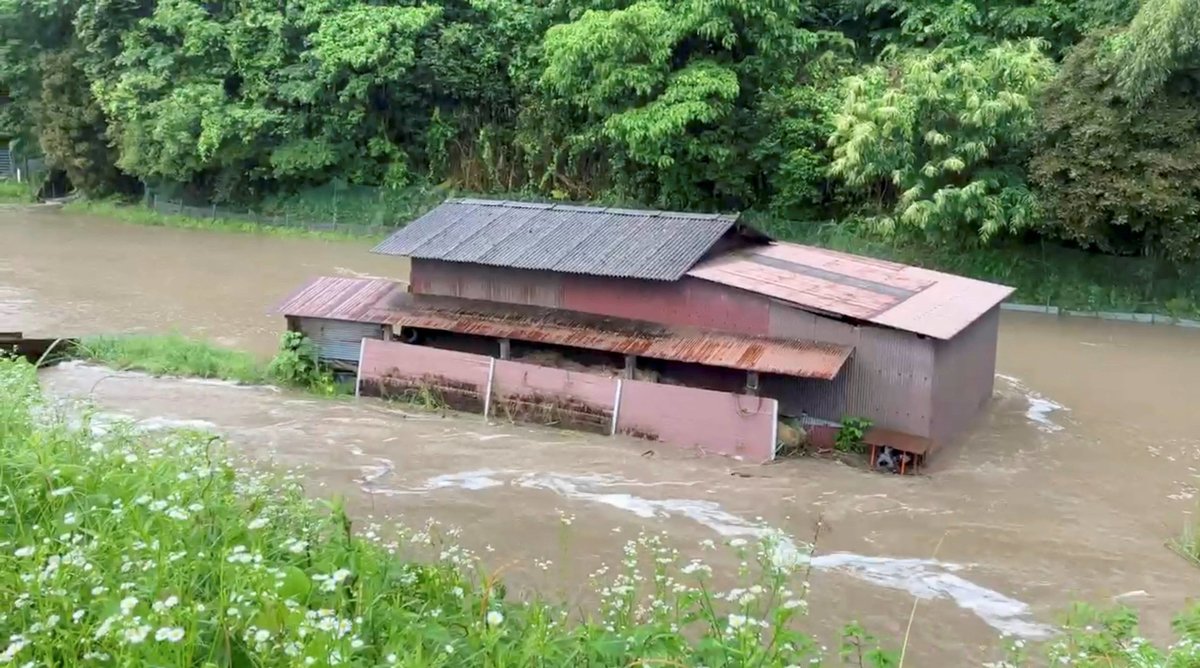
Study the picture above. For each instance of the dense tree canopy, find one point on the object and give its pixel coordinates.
(946, 118)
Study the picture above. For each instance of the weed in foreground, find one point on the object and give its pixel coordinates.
(130, 548)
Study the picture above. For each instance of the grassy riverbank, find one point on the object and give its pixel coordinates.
(141, 215)
(12, 192)
(174, 355)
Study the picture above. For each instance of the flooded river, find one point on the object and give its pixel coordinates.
(1085, 467)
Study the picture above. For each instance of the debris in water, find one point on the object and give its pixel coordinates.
(1040, 406)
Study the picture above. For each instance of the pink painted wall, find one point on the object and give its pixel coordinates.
(715, 422)
(544, 395)
(392, 369)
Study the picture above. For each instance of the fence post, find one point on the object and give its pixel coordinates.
(612, 431)
(214, 211)
(362, 347)
(487, 392)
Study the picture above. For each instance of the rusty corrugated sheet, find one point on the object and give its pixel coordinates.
(808, 359)
(907, 298)
(656, 245)
(336, 298)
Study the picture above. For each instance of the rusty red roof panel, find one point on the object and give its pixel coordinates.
(885, 293)
(807, 359)
(337, 298)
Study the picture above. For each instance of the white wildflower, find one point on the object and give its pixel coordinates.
(135, 635)
(257, 523)
(737, 621)
(262, 635)
(449, 649)
(737, 542)
(62, 491)
(495, 618)
(169, 634)
(128, 604)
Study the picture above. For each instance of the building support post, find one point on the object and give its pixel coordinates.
(630, 366)
(752, 383)
(505, 349)
(487, 391)
(612, 431)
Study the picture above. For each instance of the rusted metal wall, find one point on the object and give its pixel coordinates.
(475, 281)
(964, 378)
(889, 378)
(688, 302)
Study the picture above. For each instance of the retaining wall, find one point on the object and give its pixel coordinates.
(714, 422)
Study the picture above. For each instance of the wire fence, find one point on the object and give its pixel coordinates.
(331, 208)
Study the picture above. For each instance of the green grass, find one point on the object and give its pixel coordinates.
(12, 192)
(174, 355)
(141, 215)
(1042, 273)
(1188, 542)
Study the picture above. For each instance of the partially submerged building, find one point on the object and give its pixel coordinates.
(691, 299)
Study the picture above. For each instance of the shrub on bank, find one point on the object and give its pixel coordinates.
(128, 548)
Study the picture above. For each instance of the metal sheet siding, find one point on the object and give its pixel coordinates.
(889, 378)
(339, 340)
(688, 302)
(964, 378)
(495, 284)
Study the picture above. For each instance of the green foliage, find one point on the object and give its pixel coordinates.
(297, 365)
(1163, 40)
(915, 113)
(72, 128)
(935, 141)
(981, 23)
(851, 433)
(1116, 176)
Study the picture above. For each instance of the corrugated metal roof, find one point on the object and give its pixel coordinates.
(338, 298)
(658, 245)
(808, 359)
(894, 295)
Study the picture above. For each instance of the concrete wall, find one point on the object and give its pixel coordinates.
(964, 378)
(888, 379)
(714, 422)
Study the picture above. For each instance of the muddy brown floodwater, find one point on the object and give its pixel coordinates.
(1085, 466)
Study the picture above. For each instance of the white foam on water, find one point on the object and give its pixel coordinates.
(929, 579)
(926, 579)
(1040, 406)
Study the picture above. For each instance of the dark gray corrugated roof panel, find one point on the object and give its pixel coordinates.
(659, 245)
